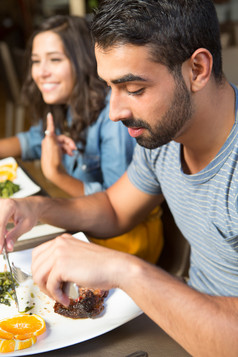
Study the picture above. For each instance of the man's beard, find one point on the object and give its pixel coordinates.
(172, 121)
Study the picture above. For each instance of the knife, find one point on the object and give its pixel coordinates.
(5, 255)
(71, 290)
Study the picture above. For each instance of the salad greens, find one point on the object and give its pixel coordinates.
(6, 290)
(8, 188)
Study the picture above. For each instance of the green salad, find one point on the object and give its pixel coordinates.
(6, 290)
(8, 188)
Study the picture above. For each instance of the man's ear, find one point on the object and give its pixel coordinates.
(201, 63)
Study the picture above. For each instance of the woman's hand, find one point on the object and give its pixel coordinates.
(52, 149)
(67, 144)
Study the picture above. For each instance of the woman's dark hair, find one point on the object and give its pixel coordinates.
(172, 29)
(89, 92)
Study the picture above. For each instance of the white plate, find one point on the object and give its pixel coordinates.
(27, 186)
(62, 331)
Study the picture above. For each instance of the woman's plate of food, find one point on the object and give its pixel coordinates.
(14, 182)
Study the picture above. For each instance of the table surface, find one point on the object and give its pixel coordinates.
(139, 334)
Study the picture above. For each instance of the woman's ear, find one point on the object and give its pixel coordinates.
(201, 63)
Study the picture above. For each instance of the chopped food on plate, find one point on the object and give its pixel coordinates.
(8, 188)
(88, 304)
(8, 173)
(6, 289)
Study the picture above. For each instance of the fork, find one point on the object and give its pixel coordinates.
(19, 275)
(69, 288)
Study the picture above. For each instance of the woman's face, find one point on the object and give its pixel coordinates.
(51, 68)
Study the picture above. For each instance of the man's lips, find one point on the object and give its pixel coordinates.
(134, 132)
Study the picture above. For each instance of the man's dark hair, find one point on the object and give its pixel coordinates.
(173, 29)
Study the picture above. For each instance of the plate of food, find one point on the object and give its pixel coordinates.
(14, 182)
(116, 309)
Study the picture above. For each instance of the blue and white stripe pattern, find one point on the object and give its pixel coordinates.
(204, 206)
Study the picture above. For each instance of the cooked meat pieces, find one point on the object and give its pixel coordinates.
(89, 304)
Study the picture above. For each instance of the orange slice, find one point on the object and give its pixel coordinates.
(14, 345)
(8, 172)
(19, 332)
(6, 335)
(23, 326)
(11, 165)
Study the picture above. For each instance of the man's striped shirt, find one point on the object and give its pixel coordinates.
(204, 206)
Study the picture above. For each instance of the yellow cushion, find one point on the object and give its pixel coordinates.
(145, 240)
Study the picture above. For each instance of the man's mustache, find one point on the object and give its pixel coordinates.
(135, 123)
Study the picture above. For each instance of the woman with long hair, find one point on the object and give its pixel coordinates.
(86, 152)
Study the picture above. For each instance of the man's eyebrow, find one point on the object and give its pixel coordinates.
(128, 78)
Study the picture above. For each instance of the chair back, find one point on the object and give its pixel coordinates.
(176, 252)
(9, 74)
(15, 111)
(230, 63)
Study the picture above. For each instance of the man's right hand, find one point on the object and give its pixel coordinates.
(20, 212)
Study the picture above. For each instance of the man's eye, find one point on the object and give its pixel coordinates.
(136, 92)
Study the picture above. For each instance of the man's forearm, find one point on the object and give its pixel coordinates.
(204, 325)
(92, 214)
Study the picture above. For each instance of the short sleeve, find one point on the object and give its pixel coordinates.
(30, 142)
(141, 171)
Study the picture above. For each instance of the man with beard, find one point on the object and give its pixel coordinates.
(162, 60)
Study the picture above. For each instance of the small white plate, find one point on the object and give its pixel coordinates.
(27, 186)
(62, 331)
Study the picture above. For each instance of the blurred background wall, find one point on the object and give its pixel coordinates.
(18, 18)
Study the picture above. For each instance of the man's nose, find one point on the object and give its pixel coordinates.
(119, 108)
